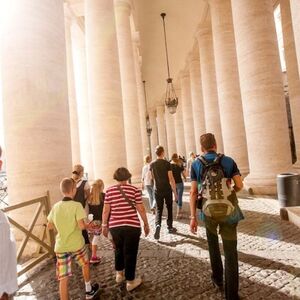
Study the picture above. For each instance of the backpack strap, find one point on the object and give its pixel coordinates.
(130, 202)
(205, 165)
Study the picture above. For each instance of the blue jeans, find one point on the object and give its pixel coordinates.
(179, 189)
(150, 191)
(228, 233)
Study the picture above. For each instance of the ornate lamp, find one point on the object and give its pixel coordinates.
(171, 100)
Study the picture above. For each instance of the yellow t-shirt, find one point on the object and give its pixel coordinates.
(65, 215)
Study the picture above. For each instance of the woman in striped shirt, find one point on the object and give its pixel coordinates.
(122, 203)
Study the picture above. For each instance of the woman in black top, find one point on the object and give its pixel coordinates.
(178, 171)
(96, 203)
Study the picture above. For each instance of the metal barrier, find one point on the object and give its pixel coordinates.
(45, 239)
(3, 188)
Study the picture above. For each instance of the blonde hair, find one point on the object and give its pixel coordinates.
(77, 172)
(67, 185)
(96, 192)
(147, 159)
(176, 159)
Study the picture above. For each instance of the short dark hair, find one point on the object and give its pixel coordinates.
(208, 141)
(159, 150)
(122, 174)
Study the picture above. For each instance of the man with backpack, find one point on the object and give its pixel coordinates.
(212, 176)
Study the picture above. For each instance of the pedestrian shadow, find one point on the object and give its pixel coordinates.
(254, 260)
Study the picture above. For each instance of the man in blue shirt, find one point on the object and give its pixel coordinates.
(227, 229)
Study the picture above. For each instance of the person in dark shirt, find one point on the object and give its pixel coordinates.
(227, 228)
(96, 203)
(164, 184)
(178, 171)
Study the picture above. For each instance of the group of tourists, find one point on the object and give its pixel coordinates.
(115, 214)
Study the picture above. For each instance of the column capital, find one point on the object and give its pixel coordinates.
(203, 30)
(192, 56)
(184, 73)
(123, 5)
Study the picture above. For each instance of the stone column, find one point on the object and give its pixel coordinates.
(161, 128)
(71, 91)
(141, 95)
(170, 127)
(209, 84)
(35, 101)
(129, 88)
(81, 87)
(262, 93)
(179, 131)
(295, 9)
(196, 96)
(104, 89)
(154, 133)
(187, 112)
(292, 71)
(229, 95)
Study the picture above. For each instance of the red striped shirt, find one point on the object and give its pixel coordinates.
(121, 212)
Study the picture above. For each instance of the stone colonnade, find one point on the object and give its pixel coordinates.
(231, 85)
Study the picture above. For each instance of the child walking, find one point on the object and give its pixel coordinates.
(67, 218)
(96, 203)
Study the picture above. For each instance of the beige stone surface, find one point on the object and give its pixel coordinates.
(295, 9)
(35, 100)
(262, 93)
(81, 87)
(154, 133)
(161, 128)
(72, 92)
(229, 95)
(292, 71)
(170, 127)
(104, 89)
(209, 85)
(179, 130)
(196, 96)
(132, 126)
(187, 112)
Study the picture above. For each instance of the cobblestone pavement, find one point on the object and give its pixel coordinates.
(177, 267)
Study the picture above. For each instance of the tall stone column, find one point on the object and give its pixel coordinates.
(71, 91)
(104, 89)
(161, 128)
(81, 87)
(292, 72)
(129, 88)
(154, 133)
(141, 95)
(170, 127)
(35, 101)
(187, 112)
(262, 93)
(196, 96)
(229, 95)
(179, 130)
(295, 9)
(209, 84)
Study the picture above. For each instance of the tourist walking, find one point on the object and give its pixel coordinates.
(147, 182)
(123, 203)
(164, 184)
(96, 203)
(190, 160)
(67, 217)
(214, 173)
(178, 172)
(82, 193)
(8, 256)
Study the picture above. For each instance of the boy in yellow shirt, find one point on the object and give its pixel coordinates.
(67, 218)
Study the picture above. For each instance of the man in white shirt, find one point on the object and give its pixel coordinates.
(8, 257)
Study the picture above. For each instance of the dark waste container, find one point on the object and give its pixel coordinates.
(288, 189)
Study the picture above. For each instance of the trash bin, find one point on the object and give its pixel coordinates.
(288, 189)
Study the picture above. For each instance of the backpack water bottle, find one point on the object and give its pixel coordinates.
(215, 193)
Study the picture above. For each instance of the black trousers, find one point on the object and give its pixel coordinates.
(126, 240)
(160, 197)
(229, 237)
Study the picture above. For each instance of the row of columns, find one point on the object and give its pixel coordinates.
(232, 86)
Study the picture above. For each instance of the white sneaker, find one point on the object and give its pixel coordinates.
(120, 276)
(131, 285)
